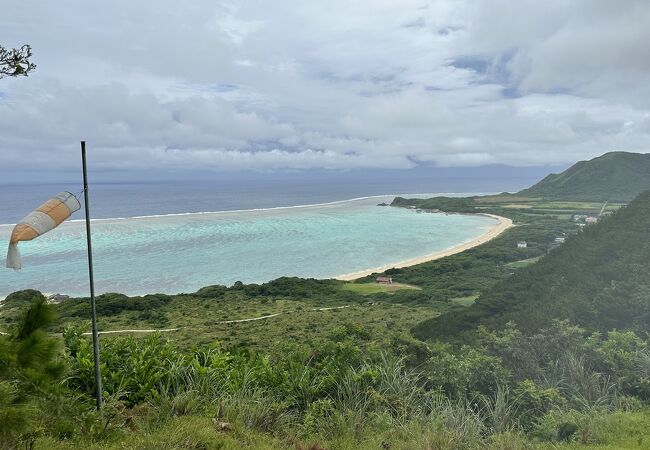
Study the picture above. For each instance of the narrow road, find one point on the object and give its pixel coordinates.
(248, 320)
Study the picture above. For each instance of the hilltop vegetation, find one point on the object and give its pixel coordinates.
(614, 176)
(507, 390)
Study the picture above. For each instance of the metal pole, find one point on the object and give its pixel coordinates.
(98, 375)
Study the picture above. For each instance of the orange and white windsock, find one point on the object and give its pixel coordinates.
(43, 219)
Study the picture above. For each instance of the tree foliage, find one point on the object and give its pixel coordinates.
(31, 370)
(16, 62)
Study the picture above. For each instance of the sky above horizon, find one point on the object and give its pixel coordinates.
(208, 85)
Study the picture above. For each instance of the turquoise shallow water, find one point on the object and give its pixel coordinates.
(181, 253)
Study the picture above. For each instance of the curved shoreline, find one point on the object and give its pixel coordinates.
(503, 223)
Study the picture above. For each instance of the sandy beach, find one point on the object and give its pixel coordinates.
(503, 223)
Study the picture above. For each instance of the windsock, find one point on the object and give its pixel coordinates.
(45, 218)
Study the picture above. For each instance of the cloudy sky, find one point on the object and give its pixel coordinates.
(325, 84)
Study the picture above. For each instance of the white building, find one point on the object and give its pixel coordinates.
(522, 244)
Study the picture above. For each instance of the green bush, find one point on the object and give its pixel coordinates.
(215, 291)
(534, 402)
(625, 357)
(465, 372)
(22, 298)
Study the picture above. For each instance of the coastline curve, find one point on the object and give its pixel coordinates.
(503, 224)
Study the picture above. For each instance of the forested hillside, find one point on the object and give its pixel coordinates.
(614, 176)
(597, 279)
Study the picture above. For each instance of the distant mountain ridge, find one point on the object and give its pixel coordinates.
(614, 176)
(597, 279)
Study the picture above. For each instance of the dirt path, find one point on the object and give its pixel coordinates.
(248, 320)
(329, 309)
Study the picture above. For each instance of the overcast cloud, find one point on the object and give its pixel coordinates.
(328, 84)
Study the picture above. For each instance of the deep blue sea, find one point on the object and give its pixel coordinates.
(178, 236)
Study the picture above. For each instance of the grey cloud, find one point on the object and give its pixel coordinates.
(332, 84)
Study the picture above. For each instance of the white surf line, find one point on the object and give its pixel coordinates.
(273, 208)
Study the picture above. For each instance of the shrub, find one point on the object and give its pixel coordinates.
(465, 372)
(132, 369)
(22, 298)
(623, 354)
(216, 291)
(319, 417)
(564, 425)
(534, 402)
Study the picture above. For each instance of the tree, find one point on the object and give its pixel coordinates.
(15, 62)
(32, 366)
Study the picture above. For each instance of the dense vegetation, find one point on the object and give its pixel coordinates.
(598, 279)
(506, 390)
(614, 176)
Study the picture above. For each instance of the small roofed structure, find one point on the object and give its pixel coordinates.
(560, 240)
(384, 280)
(522, 244)
(591, 219)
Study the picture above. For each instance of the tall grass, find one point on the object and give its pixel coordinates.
(583, 387)
(500, 412)
(336, 393)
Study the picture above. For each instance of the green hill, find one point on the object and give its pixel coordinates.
(597, 279)
(614, 176)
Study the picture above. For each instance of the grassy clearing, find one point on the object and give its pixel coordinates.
(568, 205)
(186, 432)
(619, 430)
(505, 199)
(622, 430)
(464, 301)
(517, 206)
(375, 288)
(299, 321)
(578, 205)
(299, 325)
(523, 263)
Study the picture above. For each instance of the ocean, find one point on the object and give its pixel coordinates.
(179, 236)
